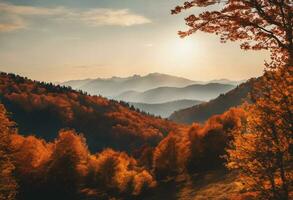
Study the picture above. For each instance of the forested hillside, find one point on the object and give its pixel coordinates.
(203, 111)
(64, 142)
(65, 169)
(43, 109)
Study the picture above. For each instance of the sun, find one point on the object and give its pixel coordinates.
(182, 52)
(178, 55)
(183, 48)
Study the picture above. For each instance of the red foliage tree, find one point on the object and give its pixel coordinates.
(259, 24)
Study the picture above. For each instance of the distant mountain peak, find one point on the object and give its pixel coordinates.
(157, 74)
(136, 76)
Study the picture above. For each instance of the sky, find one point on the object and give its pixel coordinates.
(59, 40)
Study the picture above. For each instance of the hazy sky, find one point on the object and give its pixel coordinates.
(56, 40)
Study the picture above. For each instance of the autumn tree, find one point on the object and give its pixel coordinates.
(165, 158)
(29, 153)
(103, 168)
(117, 174)
(30, 157)
(209, 140)
(262, 147)
(65, 169)
(8, 185)
(67, 165)
(258, 24)
(145, 155)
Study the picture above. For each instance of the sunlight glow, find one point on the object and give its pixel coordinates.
(183, 48)
(181, 52)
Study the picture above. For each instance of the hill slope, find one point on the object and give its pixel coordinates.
(43, 109)
(165, 94)
(222, 103)
(165, 109)
(116, 85)
(217, 184)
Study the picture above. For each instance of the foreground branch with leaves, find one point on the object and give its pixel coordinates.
(258, 24)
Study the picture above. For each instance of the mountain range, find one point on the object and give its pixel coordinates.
(165, 109)
(111, 87)
(155, 93)
(198, 92)
(116, 85)
(203, 111)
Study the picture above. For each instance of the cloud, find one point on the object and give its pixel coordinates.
(101, 17)
(11, 23)
(29, 10)
(17, 16)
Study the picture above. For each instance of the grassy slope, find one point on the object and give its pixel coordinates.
(215, 185)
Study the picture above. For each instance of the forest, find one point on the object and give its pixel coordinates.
(61, 143)
(65, 165)
(44, 109)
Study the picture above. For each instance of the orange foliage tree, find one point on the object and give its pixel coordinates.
(165, 158)
(118, 173)
(208, 141)
(67, 164)
(262, 147)
(8, 185)
(197, 148)
(65, 169)
(259, 24)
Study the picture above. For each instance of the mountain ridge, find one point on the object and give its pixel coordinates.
(112, 86)
(201, 112)
(164, 94)
(164, 109)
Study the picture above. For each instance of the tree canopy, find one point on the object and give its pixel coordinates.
(258, 24)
